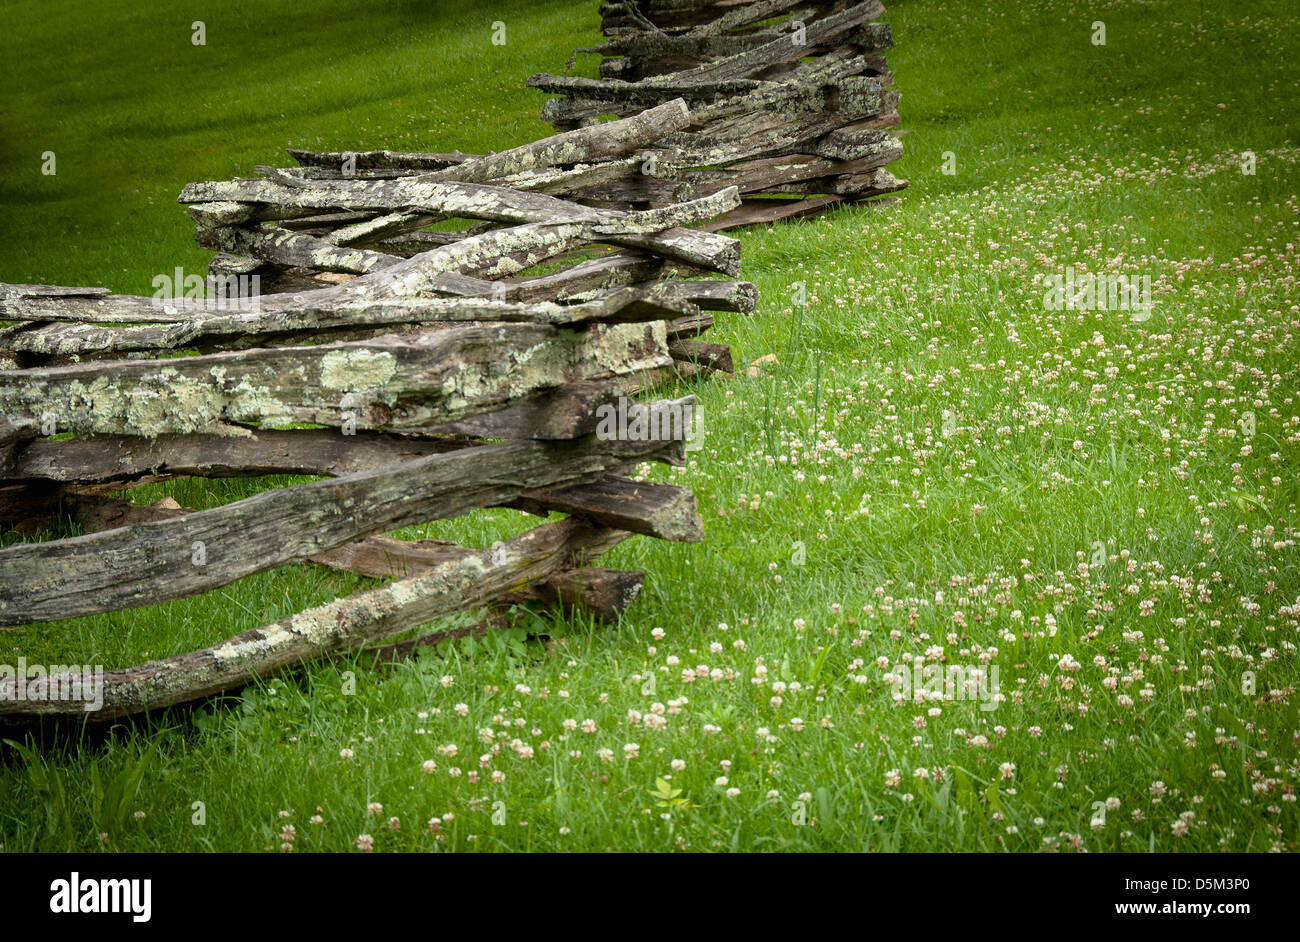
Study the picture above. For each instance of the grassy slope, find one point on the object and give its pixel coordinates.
(1066, 429)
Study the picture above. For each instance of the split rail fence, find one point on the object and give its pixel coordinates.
(790, 102)
(432, 333)
(422, 373)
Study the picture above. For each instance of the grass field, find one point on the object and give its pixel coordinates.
(1099, 506)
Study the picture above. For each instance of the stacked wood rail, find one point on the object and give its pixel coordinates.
(344, 214)
(420, 374)
(790, 102)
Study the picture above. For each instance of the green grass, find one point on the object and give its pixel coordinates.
(1091, 495)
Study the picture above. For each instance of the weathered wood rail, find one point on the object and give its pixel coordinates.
(790, 102)
(421, 373)
(341, 229)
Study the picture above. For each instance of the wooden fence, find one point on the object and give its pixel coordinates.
(790, 102)
(422, 373)
(361, 212)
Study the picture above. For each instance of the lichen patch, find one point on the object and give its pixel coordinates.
(356, 369)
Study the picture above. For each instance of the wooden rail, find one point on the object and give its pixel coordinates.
(790, 102)
(421, 373)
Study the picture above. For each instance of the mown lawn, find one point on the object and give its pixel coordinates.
(938, 466)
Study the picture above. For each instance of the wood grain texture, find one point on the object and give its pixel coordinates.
(465, 579)
(172, 558)
(393, 382)
(781, 93)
